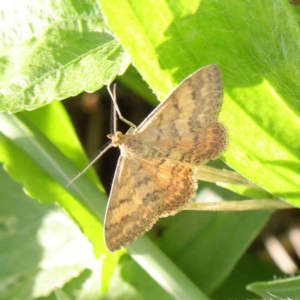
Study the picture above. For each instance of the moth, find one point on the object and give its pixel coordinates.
(155, 174)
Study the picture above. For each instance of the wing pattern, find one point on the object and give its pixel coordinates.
(142, 192)
(155, 173)
(184, 127)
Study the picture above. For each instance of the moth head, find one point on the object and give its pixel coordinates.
(116, 139)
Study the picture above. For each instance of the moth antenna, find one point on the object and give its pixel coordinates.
(113, 125)
(106, 147)
(113, 96)
(113, 117)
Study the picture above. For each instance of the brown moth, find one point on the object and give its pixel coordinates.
(155, 172)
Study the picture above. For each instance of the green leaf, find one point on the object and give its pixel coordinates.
(54, 50)
(41, 248)
(206, 246)
(234, 287)
(256, 45)
(61, 295)
(278, 289)
(45, 171)
(249, 191)
(85, 286)
(124, 283)
(133, 81)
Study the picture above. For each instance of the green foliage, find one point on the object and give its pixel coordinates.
(288, 288)
(255, 45)
(53, 50)
(37, 245)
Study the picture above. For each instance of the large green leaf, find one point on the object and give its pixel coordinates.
(207, 245)
(256, 45)
(54, 50)
(33, 157)
(41, 248)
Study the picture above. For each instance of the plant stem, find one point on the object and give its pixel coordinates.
(254, 204)
(210, 174)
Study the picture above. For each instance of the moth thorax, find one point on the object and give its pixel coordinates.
(116, 139)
